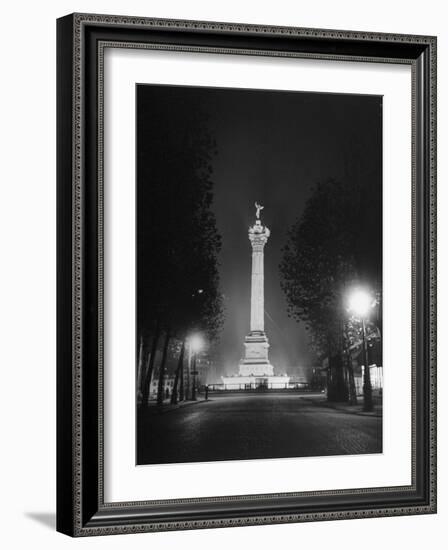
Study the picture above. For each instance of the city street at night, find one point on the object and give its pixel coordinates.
(255, 425)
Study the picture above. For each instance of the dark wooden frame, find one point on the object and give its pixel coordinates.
(81, 510)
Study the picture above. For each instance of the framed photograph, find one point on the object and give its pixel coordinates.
(246, 274)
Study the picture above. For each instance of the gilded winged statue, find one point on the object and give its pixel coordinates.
(259, 209)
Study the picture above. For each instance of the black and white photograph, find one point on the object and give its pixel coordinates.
(259, 246)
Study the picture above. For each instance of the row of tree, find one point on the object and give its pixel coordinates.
(333, 246)
(177, 238)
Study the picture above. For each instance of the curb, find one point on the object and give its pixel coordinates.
(154, 410)
(329, 405)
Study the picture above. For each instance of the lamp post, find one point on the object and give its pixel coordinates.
(195, 344)
(360, 303)
(187, 392)
(193, 389)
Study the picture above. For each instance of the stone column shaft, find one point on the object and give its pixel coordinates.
(257, 291)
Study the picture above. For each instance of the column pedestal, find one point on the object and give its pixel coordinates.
(256, 360)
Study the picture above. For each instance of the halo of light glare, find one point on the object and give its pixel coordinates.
(196, 343)
(360, 302)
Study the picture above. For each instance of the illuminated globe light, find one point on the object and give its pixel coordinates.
(360, 302)
(196, 343)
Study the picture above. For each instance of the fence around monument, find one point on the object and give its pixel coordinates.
(254, 387)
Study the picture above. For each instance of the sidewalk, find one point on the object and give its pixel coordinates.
(152, 407)
(321, 401)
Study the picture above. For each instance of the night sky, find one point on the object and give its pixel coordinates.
(273, 147)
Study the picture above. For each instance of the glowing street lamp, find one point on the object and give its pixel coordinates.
(195, 345)
(360, 303)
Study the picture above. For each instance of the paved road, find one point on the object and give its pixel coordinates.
(252, 426)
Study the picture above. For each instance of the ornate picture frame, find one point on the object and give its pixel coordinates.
(81, 506)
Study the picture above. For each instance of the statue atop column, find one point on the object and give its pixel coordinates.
(258, 233)
(259, 209)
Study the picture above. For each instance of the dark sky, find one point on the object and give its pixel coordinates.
(273, 147)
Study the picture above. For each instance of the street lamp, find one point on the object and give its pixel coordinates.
(360, 303)
(195, 345)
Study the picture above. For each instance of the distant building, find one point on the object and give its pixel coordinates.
(205, 365)
(376, 378)
(168, 384)
(375, 367)
(298, 383)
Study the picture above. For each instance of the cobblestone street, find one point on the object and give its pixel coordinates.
(250, 426)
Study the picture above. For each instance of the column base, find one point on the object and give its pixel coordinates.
(256, 360)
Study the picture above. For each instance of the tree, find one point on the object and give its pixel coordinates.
(161, 387)
(150, 360)
(179, 374)
(177, 239)
(335, 243)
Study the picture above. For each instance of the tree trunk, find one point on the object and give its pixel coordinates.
(353, 400)
(179, 370)
(160, 389)
(140, 367)
(339, 390)
(181, 385)
(150, 367)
